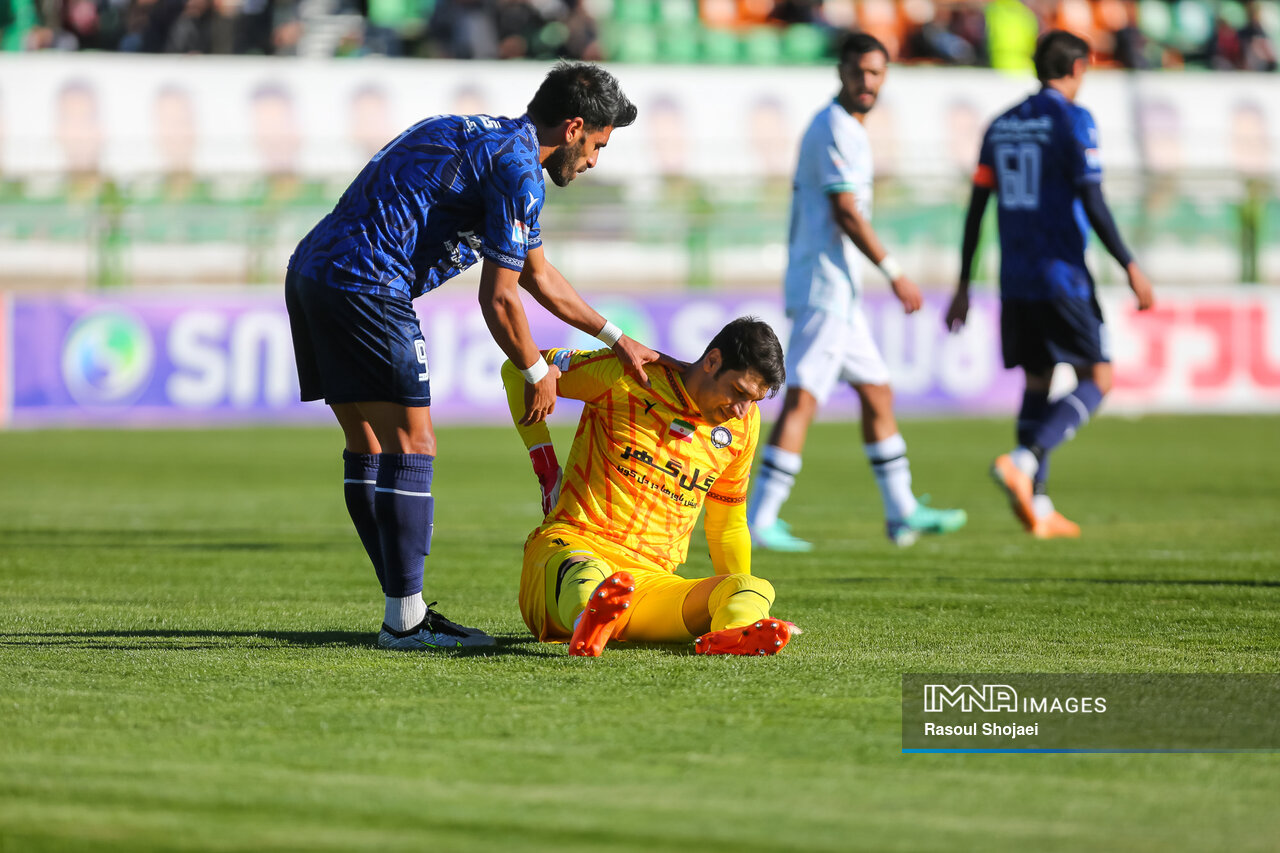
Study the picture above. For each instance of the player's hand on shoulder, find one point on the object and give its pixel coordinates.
(540, 397)
(1141, 286)
(958, 311)
(634, 356)
(908, 294)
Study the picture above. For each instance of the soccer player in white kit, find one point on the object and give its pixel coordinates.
(830, 338)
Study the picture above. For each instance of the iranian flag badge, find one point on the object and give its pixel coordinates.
(682, 430)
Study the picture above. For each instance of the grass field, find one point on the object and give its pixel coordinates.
(187, 660)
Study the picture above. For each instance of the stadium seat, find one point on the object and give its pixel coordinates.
(678, 13)
(1155, 20)
(762, 46)
(720, 47)
(634, 43)
(630, 12)
(1233, 13)
(679, 44)
(804, 44)
(1193, 22)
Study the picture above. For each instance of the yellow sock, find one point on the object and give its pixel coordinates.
(577, 582)
(739, 600)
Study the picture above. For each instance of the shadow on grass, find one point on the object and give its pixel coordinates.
(195, 640)
(156, 540)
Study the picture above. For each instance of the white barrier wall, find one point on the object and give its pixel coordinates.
(131, 115)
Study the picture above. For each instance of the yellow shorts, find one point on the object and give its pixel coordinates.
(665, 608)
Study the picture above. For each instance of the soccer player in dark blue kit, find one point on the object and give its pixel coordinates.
(1041, 160)
(448, 192)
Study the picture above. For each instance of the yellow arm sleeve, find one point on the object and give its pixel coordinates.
(728, 538)
(534, 434)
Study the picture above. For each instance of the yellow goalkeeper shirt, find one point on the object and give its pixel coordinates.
(643, 460)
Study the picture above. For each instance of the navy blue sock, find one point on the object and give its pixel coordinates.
(1066, 415)
(359, 476)
(1035, 405)
(404, 508)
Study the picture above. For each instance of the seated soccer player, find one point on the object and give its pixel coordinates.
(644, 461)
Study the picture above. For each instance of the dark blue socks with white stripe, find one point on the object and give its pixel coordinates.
(359, 476)
(1066, 415)
(1042, 426)
(404, 510)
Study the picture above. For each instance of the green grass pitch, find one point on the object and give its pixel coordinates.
(187, 659)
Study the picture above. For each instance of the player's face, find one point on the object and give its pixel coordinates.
(573, 158)
(862, 76)
(730, 395)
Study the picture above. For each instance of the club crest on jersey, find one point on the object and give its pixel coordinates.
(681, 430)
(721, 437)
(519, 233)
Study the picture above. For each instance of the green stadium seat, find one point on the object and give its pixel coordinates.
(679, 44)
(762, 46)
(635, 11)
(634, 43)
(1155, 20)
(804, 44)
(678, 12)
(720, 47)
(1233, 13)
(1193, 23)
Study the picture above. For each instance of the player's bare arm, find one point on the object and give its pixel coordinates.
(1141, 286)
(958, 310)
(504, 315)
(554, 292)
(844, 209)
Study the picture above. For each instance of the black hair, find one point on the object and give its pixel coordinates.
(581, 90)
(857, 44)
(1056, 54)
(748, 343)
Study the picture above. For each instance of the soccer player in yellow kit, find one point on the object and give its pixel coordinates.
(618, 520)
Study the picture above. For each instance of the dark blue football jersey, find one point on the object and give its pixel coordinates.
(1035, 157)
(445, 192)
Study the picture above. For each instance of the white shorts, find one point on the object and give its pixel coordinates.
(825, 349)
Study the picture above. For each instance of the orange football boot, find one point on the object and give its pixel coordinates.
(1017, 486)
(1055, 526)
(606, 604)
(766, 637)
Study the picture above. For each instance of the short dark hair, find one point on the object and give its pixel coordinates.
(1056, 54)
(748, 343)
(581, 90)
(857, 44)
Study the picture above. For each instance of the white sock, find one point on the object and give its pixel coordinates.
(1025, 461)
(405, 613)
(1042, 506)
(778, 470)
(888, 459)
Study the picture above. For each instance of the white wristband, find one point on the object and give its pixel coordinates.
(533, 373)
(890, 267)
(610, 334)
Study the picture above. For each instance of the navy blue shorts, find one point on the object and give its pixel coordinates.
(356, 347)
(1036, 335)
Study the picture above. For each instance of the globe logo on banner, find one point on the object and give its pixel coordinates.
(107, 358)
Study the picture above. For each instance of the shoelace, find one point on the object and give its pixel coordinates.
(439, 624)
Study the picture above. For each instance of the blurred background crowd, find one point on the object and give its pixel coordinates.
(1138, 34)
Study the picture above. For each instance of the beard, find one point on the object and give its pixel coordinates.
(562, 165)
(859, 108)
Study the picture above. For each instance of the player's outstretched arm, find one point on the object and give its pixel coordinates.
(958, 311)
(554, 292)
(728, 538)
(504, 315)
(844, 208)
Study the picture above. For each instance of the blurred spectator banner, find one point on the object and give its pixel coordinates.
(131, 116)
(197, 357)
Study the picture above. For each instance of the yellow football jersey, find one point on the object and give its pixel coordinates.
(643, 460)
